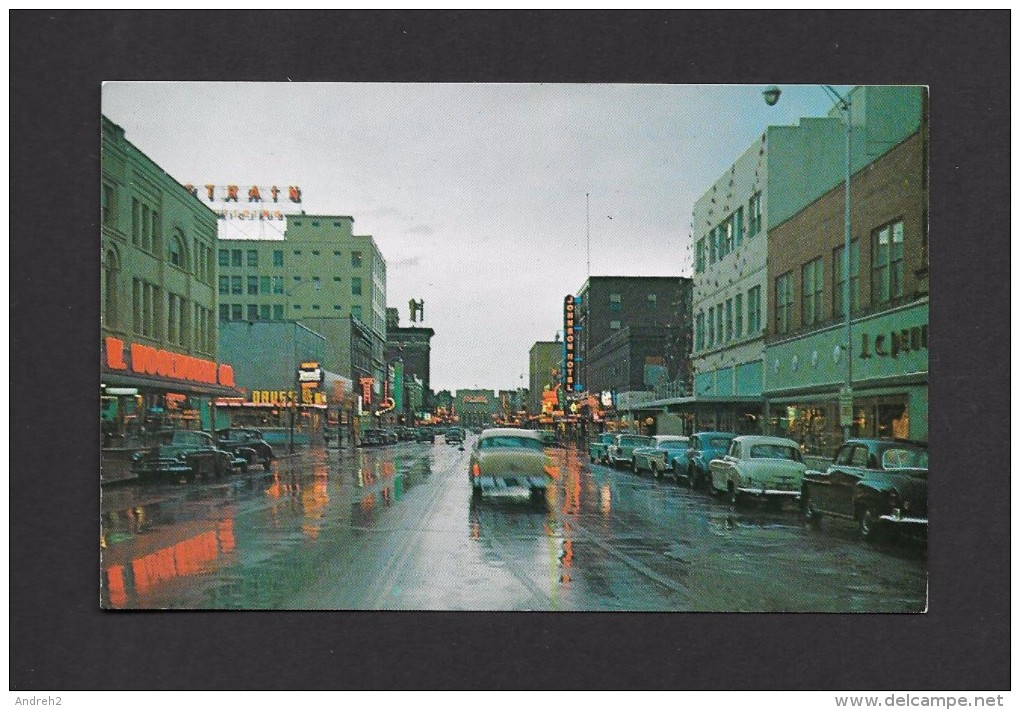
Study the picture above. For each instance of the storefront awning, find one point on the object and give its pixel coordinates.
(121, 379)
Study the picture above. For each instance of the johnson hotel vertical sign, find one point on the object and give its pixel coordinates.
(569, 366)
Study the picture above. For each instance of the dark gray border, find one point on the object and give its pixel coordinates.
(59, 639)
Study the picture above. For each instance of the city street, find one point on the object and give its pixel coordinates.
(395, 527)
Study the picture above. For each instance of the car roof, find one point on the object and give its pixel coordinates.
(670, 437)
(887, 442)
(715, 433)
(759, 439)
(507, 431)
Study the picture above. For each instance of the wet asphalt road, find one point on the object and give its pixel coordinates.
(395, 528)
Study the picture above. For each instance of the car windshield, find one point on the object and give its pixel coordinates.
(905, 458)
(719, 442)
(510, 442)
(775, 451)
(673, 445)
(192, 438)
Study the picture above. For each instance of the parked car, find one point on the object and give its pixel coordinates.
(372, 437)
(247, 445)
(660, 455)
(548, 438)
(182, 453)
(454, 436)
(621, 451)
(881, 484)
(598, 450)
(703, 447)
(765, 467)
(506, 462)
(390, 436)
(424, 435)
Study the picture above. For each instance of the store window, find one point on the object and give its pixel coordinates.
(839, 279)
(887, 263)
(812, 283)
(784, 303)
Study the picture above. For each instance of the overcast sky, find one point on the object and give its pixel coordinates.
(475, 193)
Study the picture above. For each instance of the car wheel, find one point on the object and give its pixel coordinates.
(537, 495)
(676, 473)
(735, 498)
(868, 525)
(633, 467)
(267, 464)
(655, 471)
(692, 479)
(808, 511)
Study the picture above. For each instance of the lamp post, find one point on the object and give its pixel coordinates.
(771, 95)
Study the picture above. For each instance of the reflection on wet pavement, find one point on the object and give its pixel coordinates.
(396, 528)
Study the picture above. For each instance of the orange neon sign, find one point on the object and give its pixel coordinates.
(147, 360)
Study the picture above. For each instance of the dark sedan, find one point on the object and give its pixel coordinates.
(247, 445)
(186, 454)
(880, 484)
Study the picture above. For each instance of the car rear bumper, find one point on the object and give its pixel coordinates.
(509, 485)
(768, 492)
(903, 520)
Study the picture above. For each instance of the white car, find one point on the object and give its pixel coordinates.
(765, 467)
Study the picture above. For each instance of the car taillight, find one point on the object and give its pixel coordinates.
(476, 470)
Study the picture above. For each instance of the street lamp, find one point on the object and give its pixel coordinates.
(771, 95)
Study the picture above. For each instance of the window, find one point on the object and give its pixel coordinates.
(263, 285)
(838, 281)
(738, 313)
(699, 256)
(812, 280)
(754, 311)
(175, 250)
(729, 319)
(356, 311)
(356, 286)
(337, 307)
(726, 230)
(711, 247)
(224, 285)
(784, 302)
(754, 215)
(315, 224)
(235, 311)
(277, 284)
(356, 259)
(277, 311)
(297, 252)
(615, 303)
(235, 257)
(699, 331)
(108, 204)
(253, 285)
(277, 257)
(136, 222)
(111, 268)
(336, 279)
(614, 325)
(224, 311)
(711, 327)
(297, 279)
(652, 301)
(235, 285)
(253, 312)
(316, 283)
(315, 253)
(738, 226)
(719, 324)
(887, 263)
(253, 258)
(224, 257)
(315, 307)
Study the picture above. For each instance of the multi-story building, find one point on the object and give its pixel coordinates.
(476, 408)
(806, 357)
(631, 326)
(545, 359)
(320, 274)
(158, 299)
(788, 168)
(413, 347)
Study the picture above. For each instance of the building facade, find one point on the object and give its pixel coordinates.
(788, 168)
(806, 358)
(320, 274)
(476, 408)
(160, 365)
(628, 323)
(545, 359)
(413, 347)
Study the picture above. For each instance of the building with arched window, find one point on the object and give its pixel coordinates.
(158, 300)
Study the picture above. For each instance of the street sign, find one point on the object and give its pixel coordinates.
(846, 406)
